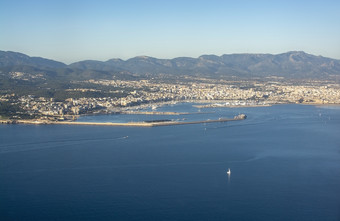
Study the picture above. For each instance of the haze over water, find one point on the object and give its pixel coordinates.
(284, 163)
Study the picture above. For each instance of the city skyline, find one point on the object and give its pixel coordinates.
(71, 31)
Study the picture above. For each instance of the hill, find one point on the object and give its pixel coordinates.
(9, 58)
(291, 65)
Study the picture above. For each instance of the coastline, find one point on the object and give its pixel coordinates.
(230, 106)
(136, 110)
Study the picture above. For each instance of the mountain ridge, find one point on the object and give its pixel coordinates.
(292, 64)
(10, 58)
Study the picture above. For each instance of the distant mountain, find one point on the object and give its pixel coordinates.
(10, 58)
(50, 69)
(294, 64)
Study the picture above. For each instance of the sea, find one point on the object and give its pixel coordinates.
(284, 162)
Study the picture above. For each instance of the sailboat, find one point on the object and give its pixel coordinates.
(229, 172)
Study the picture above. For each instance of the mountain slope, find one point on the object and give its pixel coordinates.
(10, 58)
(294, 64)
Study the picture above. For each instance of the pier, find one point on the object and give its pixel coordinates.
(128, 124)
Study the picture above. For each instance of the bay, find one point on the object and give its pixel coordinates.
(284, 161)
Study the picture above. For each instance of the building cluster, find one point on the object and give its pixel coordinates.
(26, 76)
(273, 92)
(148, 92)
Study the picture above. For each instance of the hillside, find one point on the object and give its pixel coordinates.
(10, 59)
(291, 65)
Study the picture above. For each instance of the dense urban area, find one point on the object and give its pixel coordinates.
(213, 93)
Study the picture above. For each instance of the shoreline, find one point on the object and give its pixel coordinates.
(136, 110)
(231, 106)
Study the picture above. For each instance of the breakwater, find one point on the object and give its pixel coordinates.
(129, 124)
(154, 113)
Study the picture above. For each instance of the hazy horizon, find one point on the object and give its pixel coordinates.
(71, 31)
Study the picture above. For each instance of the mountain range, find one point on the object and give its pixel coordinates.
(291, 65)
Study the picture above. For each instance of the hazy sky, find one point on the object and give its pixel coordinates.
(70, 30)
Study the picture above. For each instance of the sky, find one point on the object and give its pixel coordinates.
(74, 30)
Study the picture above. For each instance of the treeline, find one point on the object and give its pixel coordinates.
(10, 110)
(59, 89)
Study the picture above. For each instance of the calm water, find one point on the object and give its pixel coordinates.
(284, 161)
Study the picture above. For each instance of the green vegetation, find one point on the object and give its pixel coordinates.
(9, 110)
(60, 90)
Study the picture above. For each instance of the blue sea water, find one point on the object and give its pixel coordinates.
(284, 161)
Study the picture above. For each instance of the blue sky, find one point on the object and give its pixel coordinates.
(71, 30)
